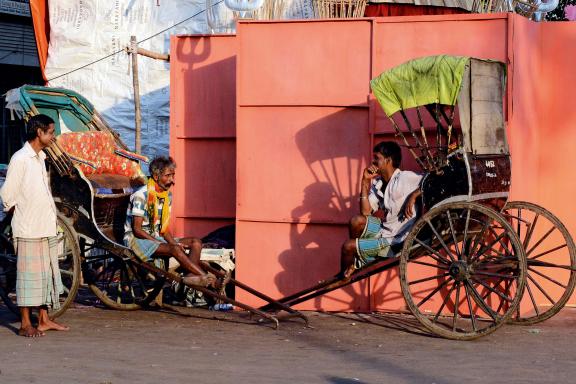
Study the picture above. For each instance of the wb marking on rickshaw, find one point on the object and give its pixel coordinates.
(490, 164)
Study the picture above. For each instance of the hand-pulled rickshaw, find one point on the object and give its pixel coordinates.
(92, 175)
(472, 261)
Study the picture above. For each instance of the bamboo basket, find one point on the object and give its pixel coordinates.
(271, 10)
(490, 6)
(339, 9)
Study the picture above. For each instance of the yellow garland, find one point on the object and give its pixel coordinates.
(152, 204)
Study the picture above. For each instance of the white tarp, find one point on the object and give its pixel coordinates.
(85, 31)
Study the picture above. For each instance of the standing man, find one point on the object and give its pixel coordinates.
(390, 190)
(146, 230)
(26, 193)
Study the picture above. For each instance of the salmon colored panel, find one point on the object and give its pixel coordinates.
(300, 164)
(202, 131)
(558, 117)
(397, 40)
(280, 259)
(524, 128)
(203, 86)
(205, 179)
(304, 63)
(198, 227)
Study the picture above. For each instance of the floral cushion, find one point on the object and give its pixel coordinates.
(94, 152)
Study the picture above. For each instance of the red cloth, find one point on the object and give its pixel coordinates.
(41, 22)
(379, 10)
(97, 147)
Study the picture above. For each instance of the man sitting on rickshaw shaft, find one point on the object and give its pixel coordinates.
(146, 228)
(384, 189)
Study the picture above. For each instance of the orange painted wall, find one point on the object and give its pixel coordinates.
(203, 132)
(305, 124)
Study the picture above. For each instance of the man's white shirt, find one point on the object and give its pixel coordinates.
(28, 190)
(400, 186)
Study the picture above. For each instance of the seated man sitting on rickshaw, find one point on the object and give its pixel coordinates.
(146, 228)
(385, 189)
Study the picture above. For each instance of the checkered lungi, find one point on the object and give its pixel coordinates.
(370, 245)
(38, 280)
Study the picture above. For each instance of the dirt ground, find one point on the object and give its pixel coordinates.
(200, 346)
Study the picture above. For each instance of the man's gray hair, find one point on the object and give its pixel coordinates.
(159, 164)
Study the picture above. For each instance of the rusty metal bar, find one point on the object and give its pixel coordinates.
(332, 284)
(400, 134)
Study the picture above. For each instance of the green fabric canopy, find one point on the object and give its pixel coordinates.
(432, 79)
(58, 103)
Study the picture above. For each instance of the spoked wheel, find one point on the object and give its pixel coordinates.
(551, 260)
(68, 262)
(120, 283)
(8, 277)
(7, 268)
(462, 270)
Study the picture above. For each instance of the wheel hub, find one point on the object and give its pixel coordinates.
(459, 270)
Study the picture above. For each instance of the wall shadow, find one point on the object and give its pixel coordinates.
(335, 149)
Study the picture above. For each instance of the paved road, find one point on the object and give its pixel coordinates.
(198, 346)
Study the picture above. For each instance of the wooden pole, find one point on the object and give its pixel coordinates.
(137, 112)
(153, 55)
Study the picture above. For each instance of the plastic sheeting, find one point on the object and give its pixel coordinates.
(87, 38)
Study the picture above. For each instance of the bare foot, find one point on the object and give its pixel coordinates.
(196, 280)
(343, 278)
(349, 271)
(30, 332)
(221, 283)
(50, 325)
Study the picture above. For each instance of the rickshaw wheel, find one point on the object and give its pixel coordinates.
(549, 249)
(121, 283)
(68, 262)
(7, 267)
(462, 270)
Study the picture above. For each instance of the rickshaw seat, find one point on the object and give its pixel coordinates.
(96, 152)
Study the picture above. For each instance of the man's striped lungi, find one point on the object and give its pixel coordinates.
(38, 280)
